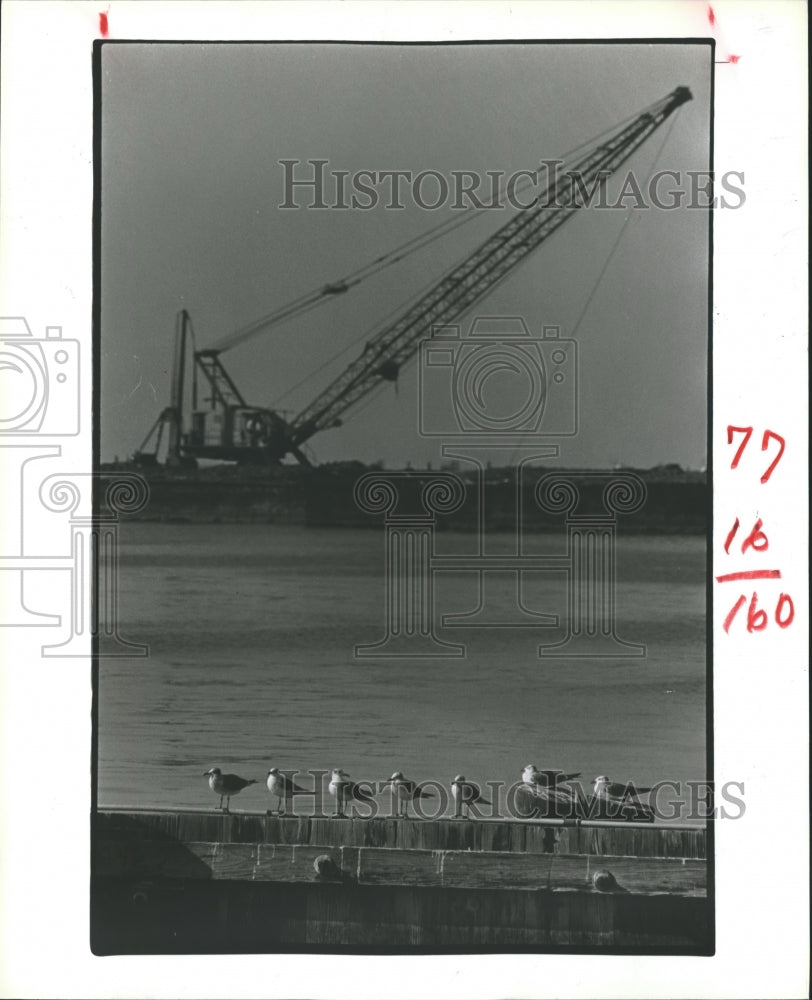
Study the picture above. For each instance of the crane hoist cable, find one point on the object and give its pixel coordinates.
(613, 249)
(317, 297)
(622, 231)
(461, 287)
(368, 333)
(417, 243)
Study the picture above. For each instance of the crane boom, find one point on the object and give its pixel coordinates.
(468, 282)
(227, 428)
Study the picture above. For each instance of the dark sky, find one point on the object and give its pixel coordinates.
(191, 184)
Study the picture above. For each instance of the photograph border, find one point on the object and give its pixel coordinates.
(98, 47)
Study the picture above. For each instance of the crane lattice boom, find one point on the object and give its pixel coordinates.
(231, 430)
(478, 274)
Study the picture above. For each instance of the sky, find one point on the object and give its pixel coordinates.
(191, 184)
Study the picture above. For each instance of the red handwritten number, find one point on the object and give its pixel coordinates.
(756, 618)
(783, 600)
(747, 431)
(731, 535)
(757, 539)
(768, 436)
(733, 612)
(781, 445)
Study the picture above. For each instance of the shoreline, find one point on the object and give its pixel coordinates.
(676, 502)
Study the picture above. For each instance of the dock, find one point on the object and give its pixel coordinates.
(177, 881)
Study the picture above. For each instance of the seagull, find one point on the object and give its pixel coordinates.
(624, 798)
(606, 789)
(343, 789)
(281, 786)
(548, 791)
(465, 794)
(531, 775)
(226, 785)
(406, 790)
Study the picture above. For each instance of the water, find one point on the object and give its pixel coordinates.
(251, 632)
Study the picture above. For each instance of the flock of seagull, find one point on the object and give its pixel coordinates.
(551, 785)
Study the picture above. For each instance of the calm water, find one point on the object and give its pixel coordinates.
(251, 632)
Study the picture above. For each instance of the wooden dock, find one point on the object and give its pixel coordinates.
(169, 881)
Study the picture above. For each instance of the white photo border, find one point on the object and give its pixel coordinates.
(760, 363)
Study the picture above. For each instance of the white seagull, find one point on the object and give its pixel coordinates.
(466, 794)
(281, 786)
(623, 799)
(405, 791)
(344, 790)
(532, 776)
(226, 785)
(606, 789)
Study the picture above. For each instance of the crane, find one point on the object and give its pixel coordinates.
(231, 429)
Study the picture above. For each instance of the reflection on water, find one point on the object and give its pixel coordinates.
(251, 631)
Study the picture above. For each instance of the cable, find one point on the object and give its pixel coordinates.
(368, 362)
(453, 223)
(365, 336)
(285, 312)
(619, 236)
(615, 245)
(398, 254)
(404, 306)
